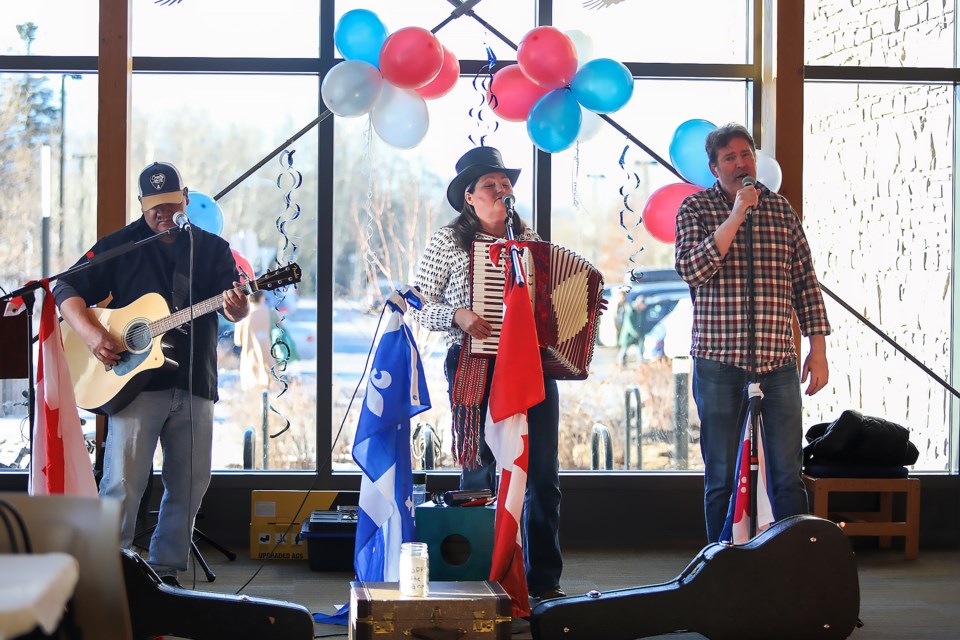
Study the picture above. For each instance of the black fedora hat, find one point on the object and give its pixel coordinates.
(477, 162)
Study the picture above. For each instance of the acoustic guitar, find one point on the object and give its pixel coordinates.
(795, 581)
(139, 327)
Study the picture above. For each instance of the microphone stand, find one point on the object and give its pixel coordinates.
(27, 293)
(753, 404)
(518, 275)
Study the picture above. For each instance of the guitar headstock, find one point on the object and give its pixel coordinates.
(282, 277)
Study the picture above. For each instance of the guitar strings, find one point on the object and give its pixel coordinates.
(145, 332)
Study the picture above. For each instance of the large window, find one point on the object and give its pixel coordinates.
(879, 184)
(217, 85)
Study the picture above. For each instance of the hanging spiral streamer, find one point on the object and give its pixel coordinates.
(288, 181)
(482, 86)
(575, 194)
(369, 228)
(630, 219)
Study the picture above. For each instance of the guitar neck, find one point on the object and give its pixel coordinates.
(174, 320)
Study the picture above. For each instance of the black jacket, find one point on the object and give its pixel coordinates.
(856, 439)
(150, 268)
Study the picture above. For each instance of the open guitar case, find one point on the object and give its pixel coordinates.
(795, 581)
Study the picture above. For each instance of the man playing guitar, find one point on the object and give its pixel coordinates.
(172, 405)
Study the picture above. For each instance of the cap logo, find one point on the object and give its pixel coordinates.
(157, 180)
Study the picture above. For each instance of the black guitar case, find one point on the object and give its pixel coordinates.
(795, 581)
(157, 609)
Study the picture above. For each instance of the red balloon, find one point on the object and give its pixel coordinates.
(445, 80)
(242, 263)
(512, 94)
(548, 57)
(660, 212)
(411, 57)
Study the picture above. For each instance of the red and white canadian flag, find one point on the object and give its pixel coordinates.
(517, 385)
(60, 462)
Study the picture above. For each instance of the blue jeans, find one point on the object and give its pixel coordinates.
(132, 437)
(720, 393)
(541, 506)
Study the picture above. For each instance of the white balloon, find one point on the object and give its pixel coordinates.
(590, 124)
(351, 88)
(400, 117)
(583, 44)
(768, 171)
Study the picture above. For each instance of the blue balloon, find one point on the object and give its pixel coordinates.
(554, 121)
(204, 212)
(602, 85)
(359, 35)
(687, 152)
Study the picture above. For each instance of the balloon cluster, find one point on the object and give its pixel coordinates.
(689, 158)
(388, 76)
(549, 88)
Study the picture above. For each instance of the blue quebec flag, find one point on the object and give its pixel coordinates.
(396, 391)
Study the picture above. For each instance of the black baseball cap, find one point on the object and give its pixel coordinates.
(160, 183)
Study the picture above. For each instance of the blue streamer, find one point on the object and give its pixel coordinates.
(484, 126)
(288, 181)
(630, 219)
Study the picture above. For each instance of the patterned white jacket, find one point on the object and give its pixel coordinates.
(443, 275)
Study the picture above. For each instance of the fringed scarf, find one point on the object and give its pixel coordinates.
(468, 388)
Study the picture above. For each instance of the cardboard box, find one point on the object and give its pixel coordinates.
(276, 518)
(463, 610)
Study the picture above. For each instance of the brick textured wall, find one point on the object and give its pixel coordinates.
(878, 210)
(881, 33)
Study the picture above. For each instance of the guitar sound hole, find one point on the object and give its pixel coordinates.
(137, 337)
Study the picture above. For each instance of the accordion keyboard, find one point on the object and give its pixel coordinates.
(486, 292)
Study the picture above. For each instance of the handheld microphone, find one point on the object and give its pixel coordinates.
(181, 220)
(749, 181)
(508, 202)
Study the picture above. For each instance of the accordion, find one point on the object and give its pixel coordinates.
(565, 291)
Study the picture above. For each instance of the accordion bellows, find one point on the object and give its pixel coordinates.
(565, 291)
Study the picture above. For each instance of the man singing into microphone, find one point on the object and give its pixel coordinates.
(174, 407)
(711, 258)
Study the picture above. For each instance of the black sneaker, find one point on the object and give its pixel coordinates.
(171, 580)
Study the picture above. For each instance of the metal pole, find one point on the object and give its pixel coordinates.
(752, 338)
(265, 404)
(631, 402)
(44, 211)
(600, 437)
(429, 461)
(681, 413)
(63, 153)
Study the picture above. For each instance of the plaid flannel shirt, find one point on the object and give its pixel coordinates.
(785, 280)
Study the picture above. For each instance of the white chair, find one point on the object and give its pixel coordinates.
(89, 530)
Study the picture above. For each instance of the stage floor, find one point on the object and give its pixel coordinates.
(899, 599)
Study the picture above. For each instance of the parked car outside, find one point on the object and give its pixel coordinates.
(671, 336)
(654, 282)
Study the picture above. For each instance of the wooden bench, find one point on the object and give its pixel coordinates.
(871, 523)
